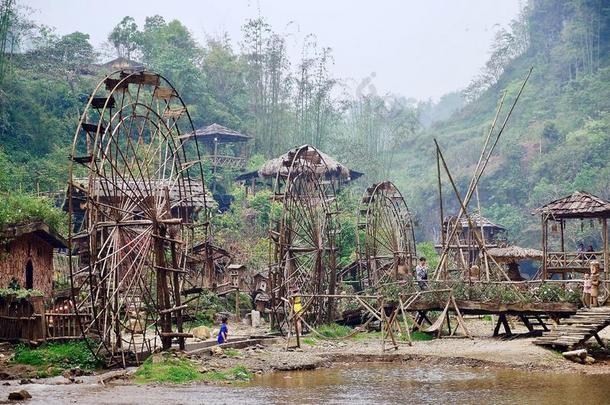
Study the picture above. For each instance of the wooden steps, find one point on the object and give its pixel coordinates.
(576, 330)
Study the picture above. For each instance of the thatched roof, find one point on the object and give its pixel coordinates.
(514, 253)
(579, 204)
(191, 192)
(38, 228)
(322, 163)
(477, 220)
(215, 131)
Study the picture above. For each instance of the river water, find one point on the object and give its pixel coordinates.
(360, 383)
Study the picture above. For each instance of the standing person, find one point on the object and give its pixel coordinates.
(421, 273)
(223, 332)
(580, 251)
(594, 282)
(586, 291)
(297, 307)
(590, 255)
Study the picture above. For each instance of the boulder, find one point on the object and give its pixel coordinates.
(19, 395)
(217, 351)
(201, 332)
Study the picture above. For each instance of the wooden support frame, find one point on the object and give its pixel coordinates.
(387, 323)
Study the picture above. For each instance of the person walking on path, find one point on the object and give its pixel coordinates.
(223, 332)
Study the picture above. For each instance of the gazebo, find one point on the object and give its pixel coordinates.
(224, 147)
(578, 206)
(268, 171)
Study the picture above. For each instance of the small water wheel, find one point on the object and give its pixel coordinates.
(136, 191)
(303, 240)
(386, 239)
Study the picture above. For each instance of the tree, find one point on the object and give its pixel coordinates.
(125, 37)
(269, 84)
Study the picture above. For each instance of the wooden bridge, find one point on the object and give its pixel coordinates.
(576, 330)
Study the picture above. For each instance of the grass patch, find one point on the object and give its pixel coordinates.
(415, 336)
(420, 336)
(487, 318)
(334, 330)
(239, 373)
(309, 341)
(52, 358)
(231, 352)
(167, 369)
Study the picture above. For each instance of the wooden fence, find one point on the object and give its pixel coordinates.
(25, 320)
(64, 326)
(21, 319)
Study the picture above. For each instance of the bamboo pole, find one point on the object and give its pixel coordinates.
(470, 224)
(544, 247)
(440, 203)
(606, 250)
(478, 175)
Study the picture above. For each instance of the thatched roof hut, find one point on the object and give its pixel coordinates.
(514, 254)
(27, 255)
(216, 132)
(328, 166)
(478, 221)
(579, 204)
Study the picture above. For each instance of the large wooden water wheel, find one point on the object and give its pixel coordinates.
(140, 180)
(386, 240)
(303, 240)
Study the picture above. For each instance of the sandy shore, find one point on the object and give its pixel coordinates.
(481, 351)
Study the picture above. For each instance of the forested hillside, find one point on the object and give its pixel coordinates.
(557, 140)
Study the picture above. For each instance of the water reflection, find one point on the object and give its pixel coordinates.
(361, 383)
(399, 383)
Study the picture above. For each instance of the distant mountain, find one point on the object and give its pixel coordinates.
(558, 139)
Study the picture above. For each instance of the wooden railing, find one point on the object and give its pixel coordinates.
(63, 326)
(572, 261)
(227, 161)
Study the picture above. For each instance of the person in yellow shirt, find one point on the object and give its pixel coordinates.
(297, 307)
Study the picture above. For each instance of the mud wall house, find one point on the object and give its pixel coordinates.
(26, 255)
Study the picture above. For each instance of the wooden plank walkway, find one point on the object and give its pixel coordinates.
(576, 330)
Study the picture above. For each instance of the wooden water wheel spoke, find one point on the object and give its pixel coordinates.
(139, 195)
(385, 238)
(304, 244)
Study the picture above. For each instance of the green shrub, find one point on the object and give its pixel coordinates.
(16, 208)
(167, 369)
(334, 330)
(60, 356)
(239, 373)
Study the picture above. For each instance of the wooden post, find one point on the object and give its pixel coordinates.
(544, 250)
(606, 250)
(214, 162)
(561, 225)
(237, 314)
(333, 279)
(440, 203)
(176, 280)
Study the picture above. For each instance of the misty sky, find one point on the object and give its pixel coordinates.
(419, 49)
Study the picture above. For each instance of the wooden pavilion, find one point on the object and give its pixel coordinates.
(578, 206)
(334, 170)
(224, 147)
(464, 247)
